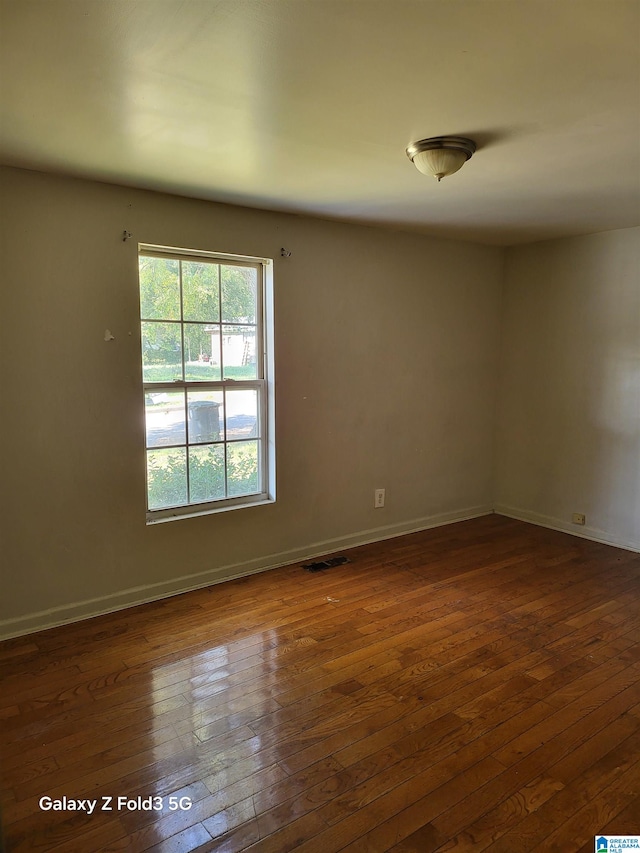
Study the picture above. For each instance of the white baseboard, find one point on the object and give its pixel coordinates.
(562, 526)
(134, 596)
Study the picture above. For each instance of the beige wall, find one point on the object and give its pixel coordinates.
(386, 357)
(568, 434)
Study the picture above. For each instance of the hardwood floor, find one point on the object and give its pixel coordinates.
(473, 687)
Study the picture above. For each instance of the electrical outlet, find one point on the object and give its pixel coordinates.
(378, 498)
(578, 518)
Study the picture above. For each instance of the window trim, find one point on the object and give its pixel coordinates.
(264, 382)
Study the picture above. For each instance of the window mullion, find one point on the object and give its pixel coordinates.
(224, 409)
(184, 385)
(181, 318)
(220, 318)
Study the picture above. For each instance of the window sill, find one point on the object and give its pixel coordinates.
(177, 513)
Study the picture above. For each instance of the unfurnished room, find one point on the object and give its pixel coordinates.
(320, 431)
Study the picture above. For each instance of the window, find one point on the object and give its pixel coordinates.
(208, 381)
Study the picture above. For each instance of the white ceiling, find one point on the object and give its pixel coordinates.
(308, 106)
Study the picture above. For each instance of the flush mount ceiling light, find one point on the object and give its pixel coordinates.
(441, 155)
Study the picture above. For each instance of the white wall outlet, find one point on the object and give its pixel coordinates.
(378, 498)
(578, 518)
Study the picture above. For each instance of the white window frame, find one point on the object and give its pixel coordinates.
(264, 383)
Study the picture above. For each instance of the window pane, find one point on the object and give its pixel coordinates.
(167, 477)
(242, 414)
(164, 416)
(239, 352)
(161, 352)
(200, 291)
(206, 416)
(202, 352)
(206, 473)
(242, 468)
(159, 289)
(239, 289)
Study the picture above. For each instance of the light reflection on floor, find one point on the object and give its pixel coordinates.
(207, 727)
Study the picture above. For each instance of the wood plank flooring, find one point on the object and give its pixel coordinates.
(474, 687)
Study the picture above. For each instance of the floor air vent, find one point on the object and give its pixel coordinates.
(326, 564)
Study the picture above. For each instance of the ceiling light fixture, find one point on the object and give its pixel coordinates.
(441, 155)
